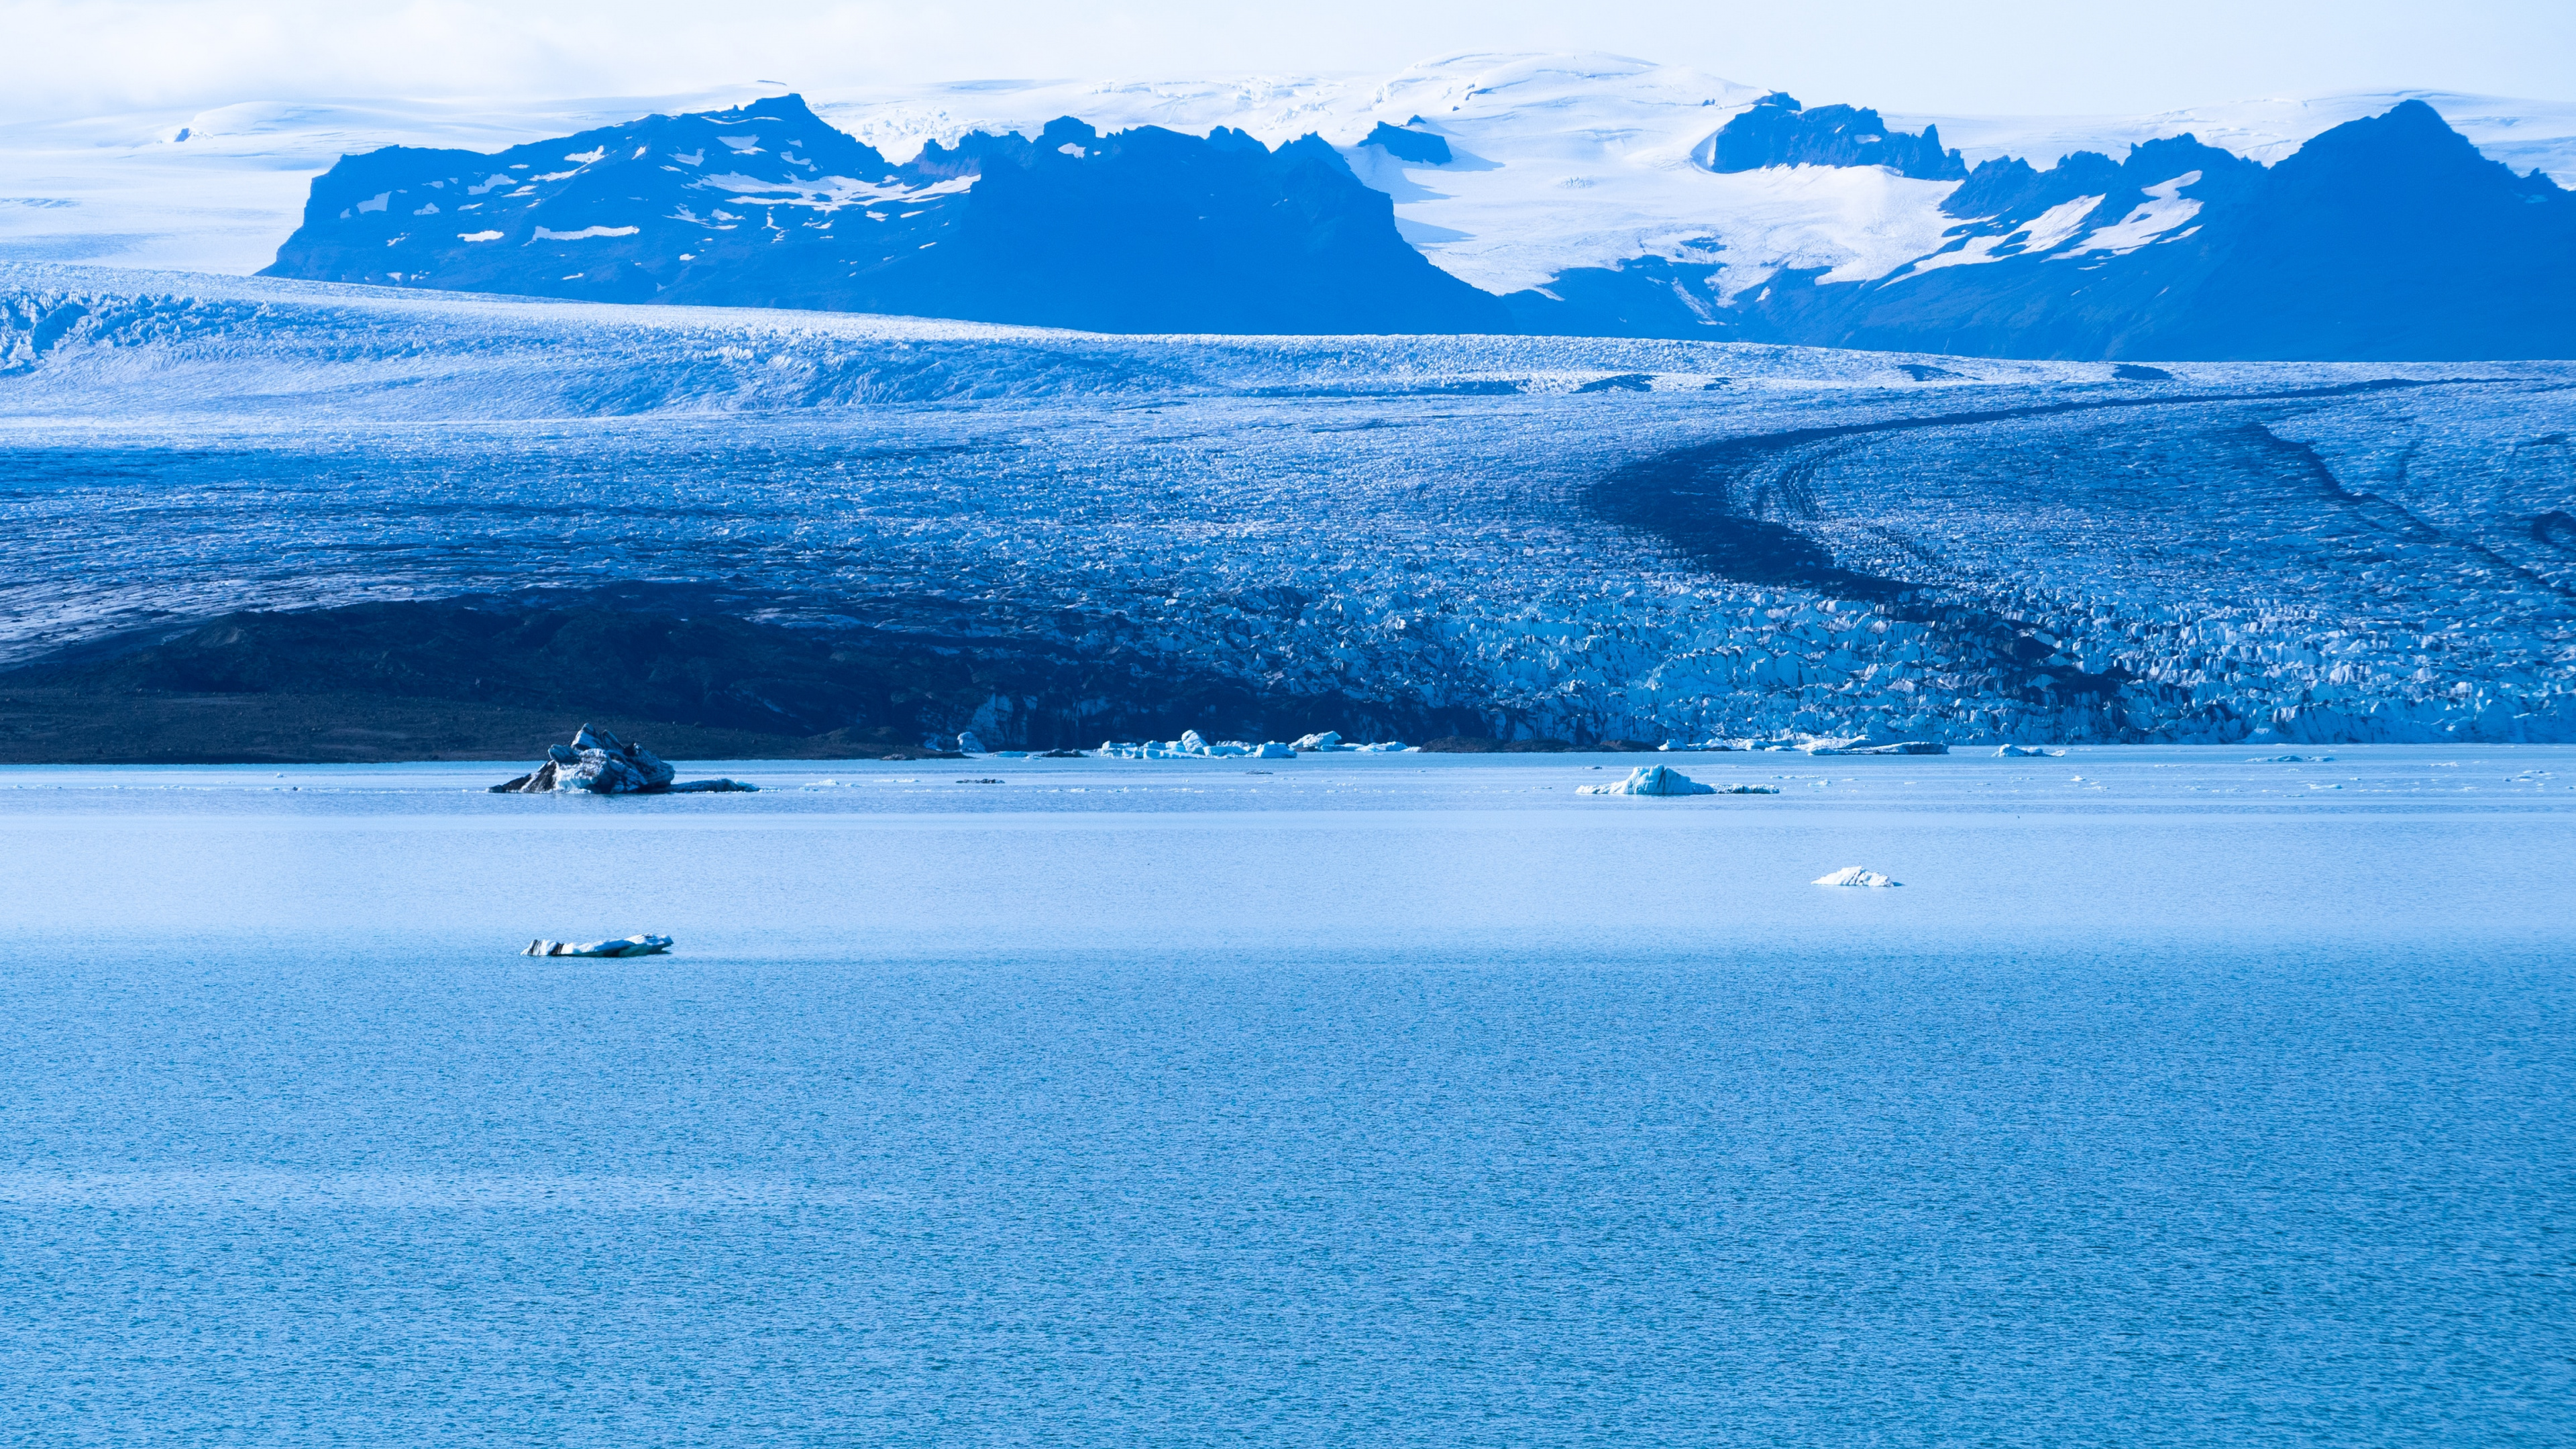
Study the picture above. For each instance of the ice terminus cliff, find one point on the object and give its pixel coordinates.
(805, 528)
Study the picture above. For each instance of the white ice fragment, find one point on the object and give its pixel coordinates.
(478, 236)
(1328, 740)
(2026, 752)
(969, 744)
(1651, 780)
(1860, 745)
(638, 945)
(1852, 875)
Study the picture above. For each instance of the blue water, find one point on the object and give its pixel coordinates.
(2189, 1101)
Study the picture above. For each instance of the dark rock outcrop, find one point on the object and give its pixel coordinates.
(1406, 144)
(1777, 131)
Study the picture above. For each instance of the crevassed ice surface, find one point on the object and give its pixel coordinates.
(1579, 537)
(2177, 1096)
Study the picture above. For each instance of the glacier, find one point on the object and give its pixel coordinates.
(1260, 538)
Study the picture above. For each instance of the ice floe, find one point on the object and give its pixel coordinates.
(2026, 752)
(599, 763)
(1193, 745)
(1852, 875)
(1864, 746)
(1651, 780)
(638, 945)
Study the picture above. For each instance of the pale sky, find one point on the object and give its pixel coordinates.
(89, 57)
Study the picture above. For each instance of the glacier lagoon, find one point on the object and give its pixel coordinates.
(2179, 1095)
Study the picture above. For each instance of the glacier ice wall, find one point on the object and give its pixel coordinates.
(1571, 537)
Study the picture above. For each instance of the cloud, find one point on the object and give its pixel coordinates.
(86, 57)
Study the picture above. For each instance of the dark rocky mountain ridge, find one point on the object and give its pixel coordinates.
(2390, 238)
(765, 205)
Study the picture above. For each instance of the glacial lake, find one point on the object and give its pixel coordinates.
(2178, 1096)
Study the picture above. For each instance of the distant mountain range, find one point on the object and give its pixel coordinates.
(2383, 238)
(766, 206)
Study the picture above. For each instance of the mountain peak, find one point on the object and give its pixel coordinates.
(1777, 131)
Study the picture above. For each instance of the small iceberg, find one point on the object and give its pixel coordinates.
(1192, 745)
(599, 763)
(1860, 745)
(2027, 752)
(1331, 742)
(1651, 780)
(623, 946)
(1852, 875)
(2291, 760)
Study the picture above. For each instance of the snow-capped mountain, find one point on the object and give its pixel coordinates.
(1597, 194)
(765, 205)
(2388, 237)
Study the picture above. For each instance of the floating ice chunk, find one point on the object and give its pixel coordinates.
(1852, 875)
(623, 946)
(599, 763)
(1860, 745)
(1385, 747)
(968, 744)
(1273, 750)
(2026, 752)
(1328, 740)
(1194, 742)
(1651, 780)
(2291, 760)
(718, 786)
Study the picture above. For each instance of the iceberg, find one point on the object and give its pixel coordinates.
(1193, 745)
(1861, 746)
(2026, 752)
(599, 763)
(969, 744)
(622, 946)
(1852, 875)
(1651, 780)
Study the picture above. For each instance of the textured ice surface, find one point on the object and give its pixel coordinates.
(1762, 542)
